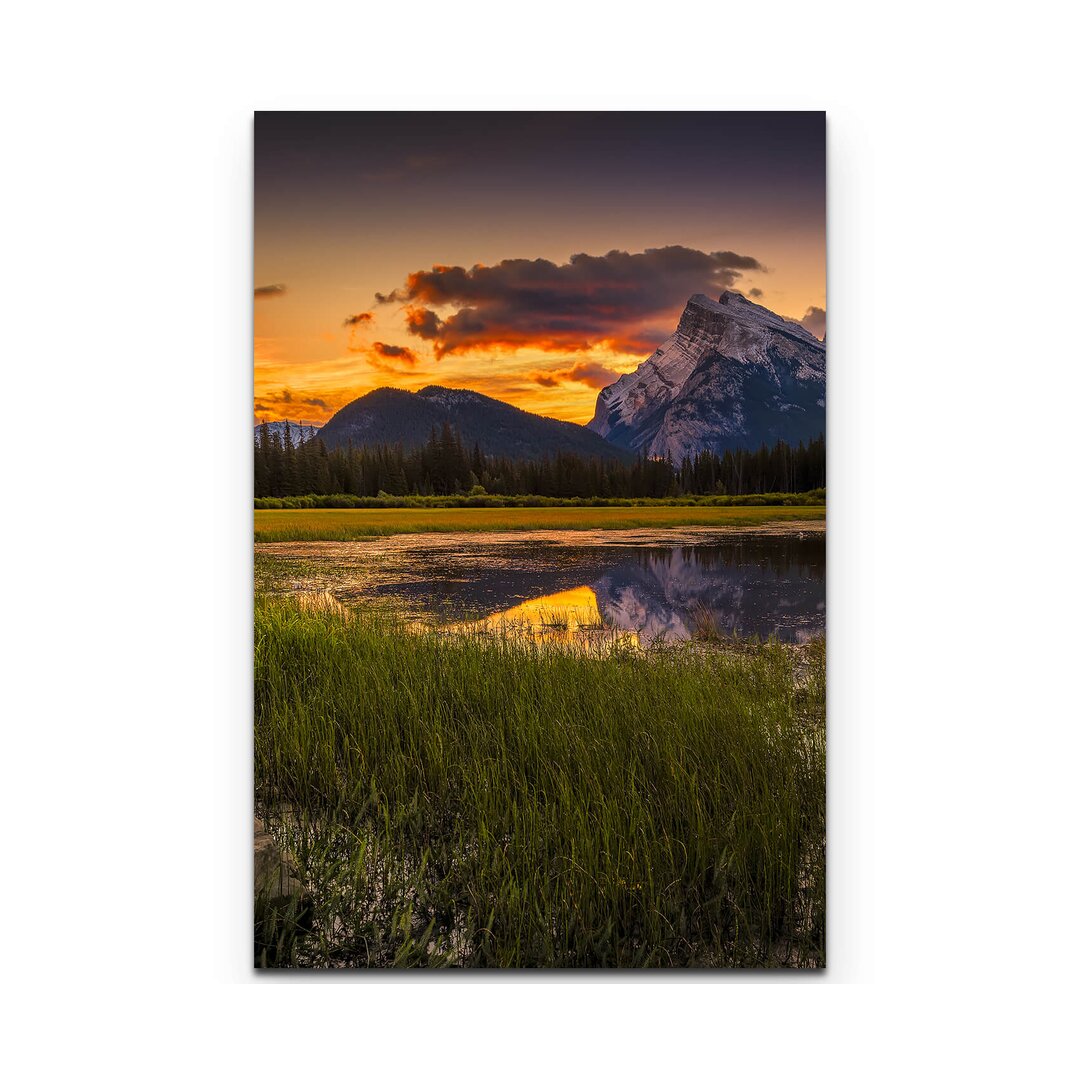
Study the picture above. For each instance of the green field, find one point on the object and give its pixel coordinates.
(485, 802)
(273, 526)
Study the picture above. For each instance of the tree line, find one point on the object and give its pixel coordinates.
(444, 466)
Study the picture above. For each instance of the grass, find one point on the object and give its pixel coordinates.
(274, 526)
(485, 802)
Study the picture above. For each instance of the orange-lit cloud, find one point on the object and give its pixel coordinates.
(269, 292)
(422, 322)
(390, 357)
(588, 372)
(619, 301)
(361, 321)
(286, 405)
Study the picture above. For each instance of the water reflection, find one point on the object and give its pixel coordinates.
(554, 589)
(571, 617)
(744, 589)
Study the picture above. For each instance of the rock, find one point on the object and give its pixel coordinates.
(276, 874)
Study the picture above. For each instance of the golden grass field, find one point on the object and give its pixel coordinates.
(275, 526)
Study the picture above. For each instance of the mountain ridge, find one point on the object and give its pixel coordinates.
(391, 415)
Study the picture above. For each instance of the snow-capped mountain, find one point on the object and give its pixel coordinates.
(734, 374)
(297, 433)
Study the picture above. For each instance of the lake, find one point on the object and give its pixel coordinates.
(640, 586)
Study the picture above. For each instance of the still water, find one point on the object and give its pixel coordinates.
(636, 586)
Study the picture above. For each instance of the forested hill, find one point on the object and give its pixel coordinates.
(388, 417)
(445, 465)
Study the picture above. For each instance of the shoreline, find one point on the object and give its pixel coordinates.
(796, 528)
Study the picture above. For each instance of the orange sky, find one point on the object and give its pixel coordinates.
(347, 207)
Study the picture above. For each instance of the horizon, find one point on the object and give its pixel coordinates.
(442, 386)
(532, 258)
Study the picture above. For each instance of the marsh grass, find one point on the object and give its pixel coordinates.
(484, 801)
(277, 526)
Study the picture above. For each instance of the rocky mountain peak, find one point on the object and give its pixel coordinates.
(734, 374)
(703, 314)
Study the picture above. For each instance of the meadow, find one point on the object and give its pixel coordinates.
(275, 526)
(484, 802)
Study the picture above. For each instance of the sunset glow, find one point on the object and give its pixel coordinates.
(533, 258)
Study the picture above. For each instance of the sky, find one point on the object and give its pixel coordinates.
(533, 257)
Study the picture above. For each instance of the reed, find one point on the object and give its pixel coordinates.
(488, 802)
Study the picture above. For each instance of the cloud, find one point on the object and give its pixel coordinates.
(285, 405)
(591, 374)
(422, 322)
(814, 321)
(621, 301)
(737, 262)
(755, 294)
(269, 292)
(396, 352)
(389, 357)
(356, 323)
(587, 372)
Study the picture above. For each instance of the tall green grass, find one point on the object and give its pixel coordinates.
(491, 803)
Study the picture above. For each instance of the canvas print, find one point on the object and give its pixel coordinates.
(539, 480)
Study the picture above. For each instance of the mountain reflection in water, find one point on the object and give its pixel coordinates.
(757, 586)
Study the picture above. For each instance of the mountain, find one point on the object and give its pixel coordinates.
(734, 374)
(297, 433)
(400, 416)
